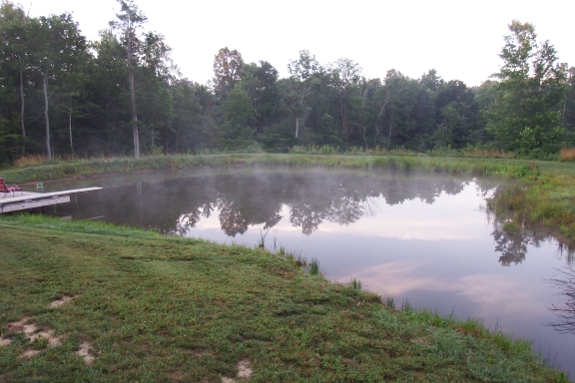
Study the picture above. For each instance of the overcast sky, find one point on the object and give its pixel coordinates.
(460, 39)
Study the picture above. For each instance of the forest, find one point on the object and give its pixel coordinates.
(62, 95)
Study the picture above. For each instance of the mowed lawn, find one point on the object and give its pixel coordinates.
(150, 308)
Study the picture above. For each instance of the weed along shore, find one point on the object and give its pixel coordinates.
(89, 301)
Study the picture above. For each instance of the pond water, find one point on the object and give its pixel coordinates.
(428, 239)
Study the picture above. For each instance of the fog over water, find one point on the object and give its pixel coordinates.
(429, 239)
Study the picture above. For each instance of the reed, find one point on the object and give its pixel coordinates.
(390, 301)
(314, 267)
(355, 284)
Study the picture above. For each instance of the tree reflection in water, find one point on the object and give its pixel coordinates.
(311, 198)
(512, 241)
(512, 232)
(565, 312)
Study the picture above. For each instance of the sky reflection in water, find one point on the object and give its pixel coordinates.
(427, 239)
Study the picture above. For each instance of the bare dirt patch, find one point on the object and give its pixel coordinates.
(29, 353)
(62, 301)
(245, 370)
(200, 354)
(177, 376)
(84, 352)
(17, 326)
(4, 342)
(33, 333)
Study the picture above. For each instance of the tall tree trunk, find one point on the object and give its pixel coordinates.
(343, 122)
(134, 115)
(22, 114)
(46, 117)
(296, 127)
(565, 101)
(133, 112)
(70, 126)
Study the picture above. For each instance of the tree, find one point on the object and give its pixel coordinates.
(238, 114)
(13, 51)
(130, 19)
(107, 83)
(406, 113)
(193, 125)
(457, 115)
(227, 67)
(345, 75)
(526, 113)
(155, 74)
(304, 74)
(568, 110)
(56, 46)
(260, 83)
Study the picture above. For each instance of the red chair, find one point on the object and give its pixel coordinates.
(6, 189)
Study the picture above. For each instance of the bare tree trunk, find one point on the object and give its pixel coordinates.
(22, 114)
(47, 119)
(70, 127)
(302, 96)
(296, 127)
(390, 128)
(133, 112)
(342, 113)
(565, 101)
(134, 115)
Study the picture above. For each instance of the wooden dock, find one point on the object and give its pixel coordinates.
(29, 200)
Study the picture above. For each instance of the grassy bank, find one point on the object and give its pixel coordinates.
(151, 308)
(94, 167)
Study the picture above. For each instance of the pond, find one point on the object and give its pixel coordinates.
(427, 239)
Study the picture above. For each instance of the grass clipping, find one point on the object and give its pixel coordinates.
(153, 308)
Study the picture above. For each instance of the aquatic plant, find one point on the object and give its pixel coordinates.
(406, 307)
(314, 267)
(355, 284)
(262, 241)
(390, 302)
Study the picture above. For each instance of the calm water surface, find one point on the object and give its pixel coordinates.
(424, 238)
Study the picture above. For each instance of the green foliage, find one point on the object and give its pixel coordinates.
(390, 302)
(238, 115)
(111, 96)
(355, 284)
(314, 267)
(526, 113)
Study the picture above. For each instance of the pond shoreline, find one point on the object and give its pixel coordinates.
(449, 347)
(546, 195)
(526, 196)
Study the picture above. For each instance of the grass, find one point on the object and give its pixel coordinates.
(158, 308)
(355, 284)
(314, 267)
(101, 166)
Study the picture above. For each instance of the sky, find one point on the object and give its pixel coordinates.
(460, 39)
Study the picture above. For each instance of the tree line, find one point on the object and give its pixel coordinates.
(123, 95)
